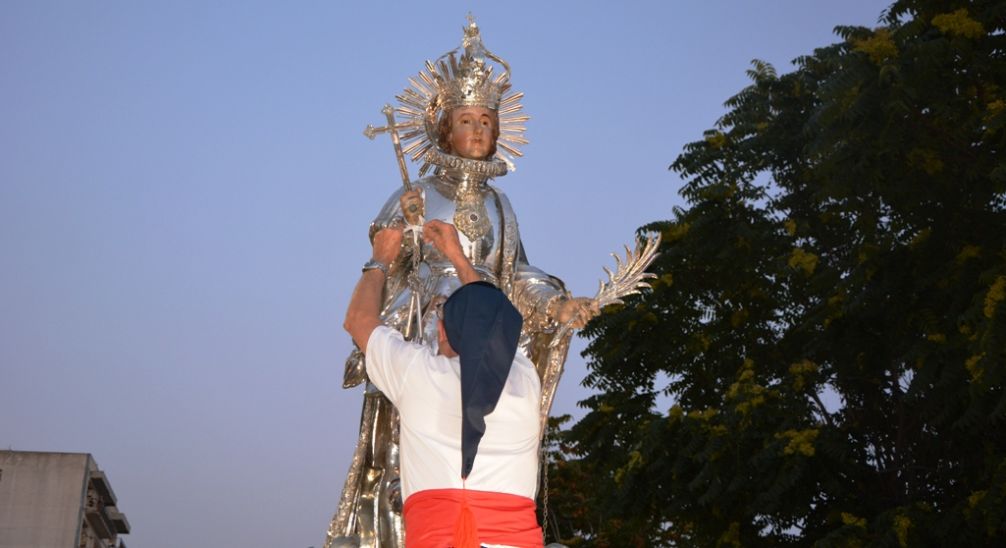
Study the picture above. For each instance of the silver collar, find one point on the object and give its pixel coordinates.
(465, 167)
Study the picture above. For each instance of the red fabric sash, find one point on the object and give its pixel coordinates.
(501, 518)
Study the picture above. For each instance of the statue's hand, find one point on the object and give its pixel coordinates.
(578, 309)
(412, 206)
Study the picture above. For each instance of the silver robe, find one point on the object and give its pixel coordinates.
(370, 508)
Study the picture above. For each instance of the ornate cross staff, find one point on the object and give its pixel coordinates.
(396, 142)
(413, 277)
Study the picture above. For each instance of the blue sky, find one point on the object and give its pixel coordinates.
(185, 192)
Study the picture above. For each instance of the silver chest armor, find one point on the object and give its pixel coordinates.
(474, 209)
(472, 206)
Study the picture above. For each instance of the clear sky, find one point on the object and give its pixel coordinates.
(185, 192)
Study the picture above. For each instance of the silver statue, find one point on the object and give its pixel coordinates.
(465, 124)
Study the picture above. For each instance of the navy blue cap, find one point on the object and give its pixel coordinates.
(483, 327)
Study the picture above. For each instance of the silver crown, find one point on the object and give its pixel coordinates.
(451, 82)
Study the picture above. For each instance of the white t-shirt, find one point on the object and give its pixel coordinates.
(426, 389)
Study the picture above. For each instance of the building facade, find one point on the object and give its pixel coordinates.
(57, 500)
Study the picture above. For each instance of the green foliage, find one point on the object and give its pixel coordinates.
(844, 241)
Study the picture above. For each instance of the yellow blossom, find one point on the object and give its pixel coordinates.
(800, 441)
(879, 47)
(992, 110)
(803, 366)
(995, 295)
(937, 337)
(798, 370)
(901, 525)
(975, 498)
(790, 227)
(665, 280)
(731, 537)
(801, 259)
(854, 520)
(747, 371)
(745, 407)
(969, 252)
(971, 364)
(750, 392)
(674, 232)
(716, 139)
(635, 460)
(958, 23)
(703, 415)
(733, 391)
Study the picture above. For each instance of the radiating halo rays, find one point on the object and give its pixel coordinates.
(449, 82)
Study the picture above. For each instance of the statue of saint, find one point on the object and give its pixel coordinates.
(463, 122)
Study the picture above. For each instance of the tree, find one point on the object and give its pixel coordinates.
(828, 317)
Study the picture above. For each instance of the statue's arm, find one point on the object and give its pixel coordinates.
(545, 302)
(389, 214)
(537, 295)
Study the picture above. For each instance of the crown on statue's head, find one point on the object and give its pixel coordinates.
(475, 78)
(470, 81)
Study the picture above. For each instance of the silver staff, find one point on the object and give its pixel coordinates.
(392, 129)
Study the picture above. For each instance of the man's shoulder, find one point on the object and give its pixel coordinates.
(395, 364)
(388, 338)
(384, 331)
(383, 336)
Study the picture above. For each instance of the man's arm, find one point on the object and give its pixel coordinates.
(364, 313)
(445, 238)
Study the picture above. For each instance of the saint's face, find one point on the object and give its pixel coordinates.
(471, 133)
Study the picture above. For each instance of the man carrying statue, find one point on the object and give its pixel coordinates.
(460, 119)
(468, 413)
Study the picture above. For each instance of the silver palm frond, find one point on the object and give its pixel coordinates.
(629, 278)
